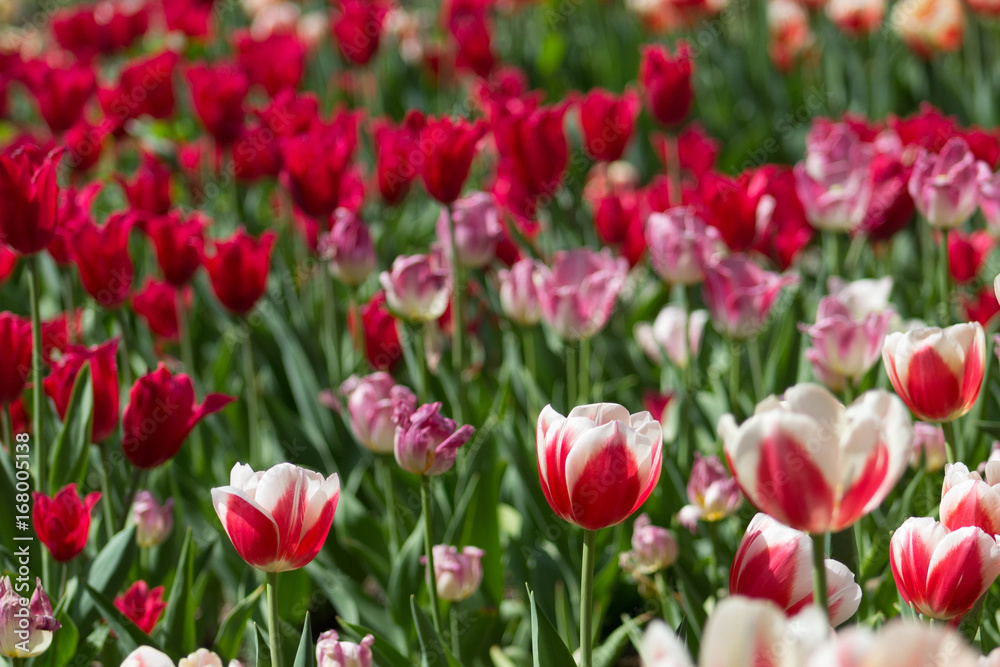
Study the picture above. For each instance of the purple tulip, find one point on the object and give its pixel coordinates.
(331, 652)
(370, 403)
(457, 573)
(653, 548)
(153, 522)
(426, 442)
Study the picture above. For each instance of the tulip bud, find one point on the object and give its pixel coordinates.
(15, 341)
(578, 292)
(945, 186)
(275, 62)
(349, 248)
(666, 82)
(739, 295)
(153, 521)
(25, 627)
(179, 241)
(712, 493)
(101, 256)
(142, 605)
(217, 92)
(331, 652)
(29, 193)
(426, 442)
(680, 245)
(149, 191)
(156, 303)
(673, 334)
(519, 292)
(607, 121)
(834, 181)
(201, 658)
(316, 164)
(928, 447)
(458, 573)
(370, 403)
(417, 287)
(62, 522)
(396, 148)
(104, 381)
(238, 269)
(653, 548)
(477, 229)
(380, 331)
(358, 27)
(449, 148)
(967, 253)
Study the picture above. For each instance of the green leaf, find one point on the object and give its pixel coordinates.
(230, 635)
(407, 573)
(606, 653)
(383, 651)
(430, 644)
(64, 643)
(547, 647)
(305, 656)
(263, 650)
(107, 572)
(130, 637)
(68, 462)
(179, 635)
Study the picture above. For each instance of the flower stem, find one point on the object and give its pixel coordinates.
(753, 350)
(37, 426)
(734, 380)
(457, 292)
(253, 420)
(944, 284)
(673, 168)
(570, 375)
(70, 306)
(330, 326)
(187, 358)
(109, 522)
(8, 432)
(130, 497)
(124, 347)
(585, 371)
(425, 504)
(662, 593)
(62, 580)
(420, 355)
(950, 445)
(819, 572)
(385, 475)
(273, 631)
(456, 645)
(357, 333)
(587, 598)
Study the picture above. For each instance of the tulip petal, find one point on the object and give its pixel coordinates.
(971, 503)
(600, 458)
(253, 531)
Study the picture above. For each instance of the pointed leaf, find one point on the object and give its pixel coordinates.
(306, 655)
(107, 572)
(178, 628)
(547, 647)
(230, 635)
(70, 450)
(130, 637)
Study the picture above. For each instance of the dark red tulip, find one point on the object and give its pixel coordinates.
(104, 381)
(15, 343)
(357, 27)
(726, 205)
(470, 28)
(532, 143)
(145, 87)
(20, 422)
(149, 190)
(93, 29)
(502, 86)
(256, 154)
(8, 262)
(62, 522)
(449, 148)
(290, 113)
(274, 62)
(142, 605)
(891, 207)
(984, 144)
(74, 212)
(156, 303)
(315, 164)
(191, 17)
(607, 121)
(179, 240)
(967, 253)
(238, 269)
(160, 415)
(518, 203)
(84, 143)
(696, 150)
(615, 213)
(218, 91)
(382, 346)
(982, 306)
(29, 197)
(397, 154)
(782, 227)
(100, 253)
(666, 82)
(56, 333)
(61, 92)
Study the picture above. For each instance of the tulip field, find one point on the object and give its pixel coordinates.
(499, 333)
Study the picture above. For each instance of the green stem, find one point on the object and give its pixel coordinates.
(385, 475)
(8, 432)
(944, 282)
(585, 371)
(528, 346)
(673, 168)
(587, 598)
(456, 645)
(950, 445)
(253, 419)
(133, 487)
(420, 356)
(37, 426)
(70, 306)
(123, 347)
(273, 631)
(62, 580)
(457, 292)
(755, 368)
(425, 506)
(106, 510)
(570, 375)
(843, 548)
(831, 247)
(662, 594)
(330, 326)
(358, 334)
(718, 556)
(819, 573)
(734, 380)
(187, 358)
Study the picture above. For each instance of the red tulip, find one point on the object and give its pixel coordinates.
(891, 206)
(217, 92)
(59, 333)
(449, 148)
(728, 205)
(274, 62)
(599, 464)
(982, 306)
(28, 198)
(238, 269)
(101, 256)
(156, 303)
(783, 230)
(8, 262)
(62, 522)
(666, 82)
(316, 163)
(91, 29)
(349, 248)
(382, 344)
(149, 191)
(84, 143)
(967, 253)
(61, 92)
(179, 242)
(191, 17)
(357, 28)
(74, 212)
(696, 151)
(160, 415)
(289, 113)
(142, 605)
(397, 154)
(145, 87)
(532, 145)
(104, 382)
(15, 343)
(607, 121)
(277, 519)
(470, 28)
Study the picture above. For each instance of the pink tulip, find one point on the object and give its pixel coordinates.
(147, 656)
(278, 519)
(331, 652)
(673, 334)
(857, 17)
(941, 574)
(477, 229)
(712, 493)
(201, 658)
(945, 186)
(775, 562)
(578, 292)
(928, 447)
(680, 244)
(349, 248)
(426, 442)
(815, 465)
(898, 643)
(457, 573)
(739, 294)
(862, 297)
(653, 548)
(969, 500)
(417, 287)
(26, 627)
(153, 522)
(370, 401)
(937, 372)
(519, 292)
(989, 202)
(599, 464)
(834, 180)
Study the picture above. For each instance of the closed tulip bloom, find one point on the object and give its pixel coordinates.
(156, 303)
(457, 573)
(380, 331)
(712, 493)
(238, 269)
(815, 465)
(789, 35)
(331, 652)
(160, 415)
(149, 191)
(417, 287)
(60, 92)
(653, 548)
(426, 442)
(945, 186)
(856, 17)
(680, 245)
(477, 229)
(449, 148)
(147, 656)
(274, 62)
(62, 522)
(370, 404)
(929, 27)
(739, 295)
(25, 636)
(967, 499)
(217, 92)
(15, 341)
(277, 519)
(201, 658)
(891, 206)
(179, 240)
(103, 361)
(357, 28)
(929, 447)
(153, 521)
(29, 194)
(578, 292)
(349, 248)
(316, 164)
(937, 372)
(519, 292)
(834, 180)
(153, 75)
(397, 154)
(775, 562)
(607, 121)
(532, 145)
(939, 573)
(142, 605)
(101, 256)
(967, 253)
(673, 334)
(599, 464)
(666, 82)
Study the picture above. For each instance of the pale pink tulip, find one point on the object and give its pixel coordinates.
(653, 548)
(672, 334)
(519, 292)
(477, 229)
(417, 287)
(201, 658)
(153, 522)
(331, 652)
(680, 244)
(739, 295)
(349, 248)
(989, 202)
(945, 186)
(147, 656)
(928, 447)
(712, 493)
(578, 292)
(370, 404)
(457, 573)
(834, 180)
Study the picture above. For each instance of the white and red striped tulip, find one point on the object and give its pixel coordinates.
(898, 643)
(147, 656)
(774, 562)
(939, 573)
(743, 632)
(969, 500)
(277, 519)
(598, 464)
(815, 465)
(937, 372)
